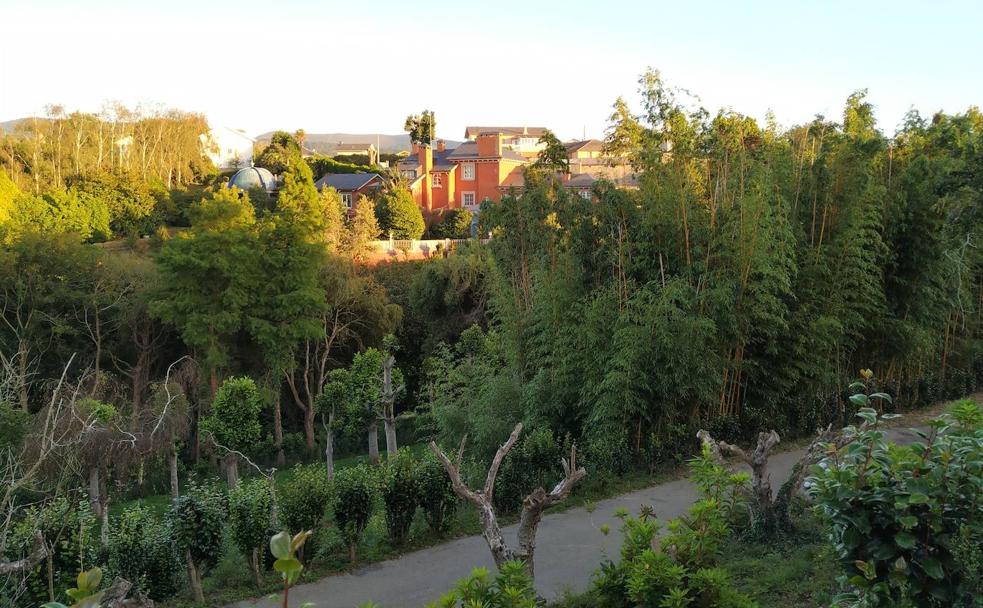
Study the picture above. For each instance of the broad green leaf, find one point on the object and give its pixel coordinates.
(860, 400)
(280, 545)
(917, 498)
(905, 540)
(931, 566)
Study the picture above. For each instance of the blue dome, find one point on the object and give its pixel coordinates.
(253, 177)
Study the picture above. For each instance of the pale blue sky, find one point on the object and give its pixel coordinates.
(363, 66)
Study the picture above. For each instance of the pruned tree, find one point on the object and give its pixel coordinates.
(772, 511)
(533, 505)
(762, 503)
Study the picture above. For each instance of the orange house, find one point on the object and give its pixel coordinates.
(476, 170)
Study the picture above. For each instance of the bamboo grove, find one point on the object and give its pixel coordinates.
(739, 287)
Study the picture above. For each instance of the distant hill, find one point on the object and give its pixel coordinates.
(326, 143)
(8, 126)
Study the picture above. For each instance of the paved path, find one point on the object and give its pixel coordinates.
(569, 547)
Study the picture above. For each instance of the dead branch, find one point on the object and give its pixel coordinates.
(532, 506)
(38, 553)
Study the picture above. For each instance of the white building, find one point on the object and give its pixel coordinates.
(228, 148)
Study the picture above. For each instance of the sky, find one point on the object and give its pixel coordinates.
(363, 66)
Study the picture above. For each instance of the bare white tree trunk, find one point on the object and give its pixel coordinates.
(532, 507)
(232, 470)
(390, 426)
(172, 462)
(94, 491)
(329, 448)
(374, 443)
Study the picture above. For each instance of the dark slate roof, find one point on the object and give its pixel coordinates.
(470, 132)
(469, 150)
(346, 181)
(580, 180)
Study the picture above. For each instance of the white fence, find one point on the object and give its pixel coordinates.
(418, 249)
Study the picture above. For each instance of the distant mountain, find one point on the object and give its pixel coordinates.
(327, 143)
(8, 126)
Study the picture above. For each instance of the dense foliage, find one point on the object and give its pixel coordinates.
(902, 516)
(355, 495)
(140, 549)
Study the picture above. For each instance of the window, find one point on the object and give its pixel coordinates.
(585, 194)
(467, 200)
(467, 172)
(346, 197)
(408, 173)
(437, 180)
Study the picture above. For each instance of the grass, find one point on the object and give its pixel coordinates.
(798, 570)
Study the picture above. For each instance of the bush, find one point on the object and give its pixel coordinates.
(400, 494)
(650, 572)
(355, 492)
(140, 550)
(454, 224)
(251, 520)
(303, 499)
(437, 495)
(69, 527)
(399, 215)
(533, 462)
(198, 521)
(13, 427)
(899, 515)
(511, 588)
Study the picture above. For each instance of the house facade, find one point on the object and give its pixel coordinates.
(228, 148)
(367, 150)
(351, 185)
(442, 178)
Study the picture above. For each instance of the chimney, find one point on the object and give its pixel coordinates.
(440, 145)
(425, 156)
(489, 144)
(415, 149)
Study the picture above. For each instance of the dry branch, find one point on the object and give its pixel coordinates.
(532, 506)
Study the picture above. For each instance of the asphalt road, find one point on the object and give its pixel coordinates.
(569, 548)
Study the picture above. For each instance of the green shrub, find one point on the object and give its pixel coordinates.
(437, 495)
(251, 520)
(511, 588)
(400, 494)
(13, 427)
(454, 224)
(140, 550)
(69, 527)
(355, 493)
(399, 215)
(677, 569)
(533, 462)
(303, 499)
(198, 522)
(898, 514)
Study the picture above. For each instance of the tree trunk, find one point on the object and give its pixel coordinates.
(254, 562)
(94, 500)
(532, 507)
(194, 580)
(374, 443)
(390, 425)
(329, 450)
(281, 458)
(172, 462)
(232, 470)
(309, 435)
